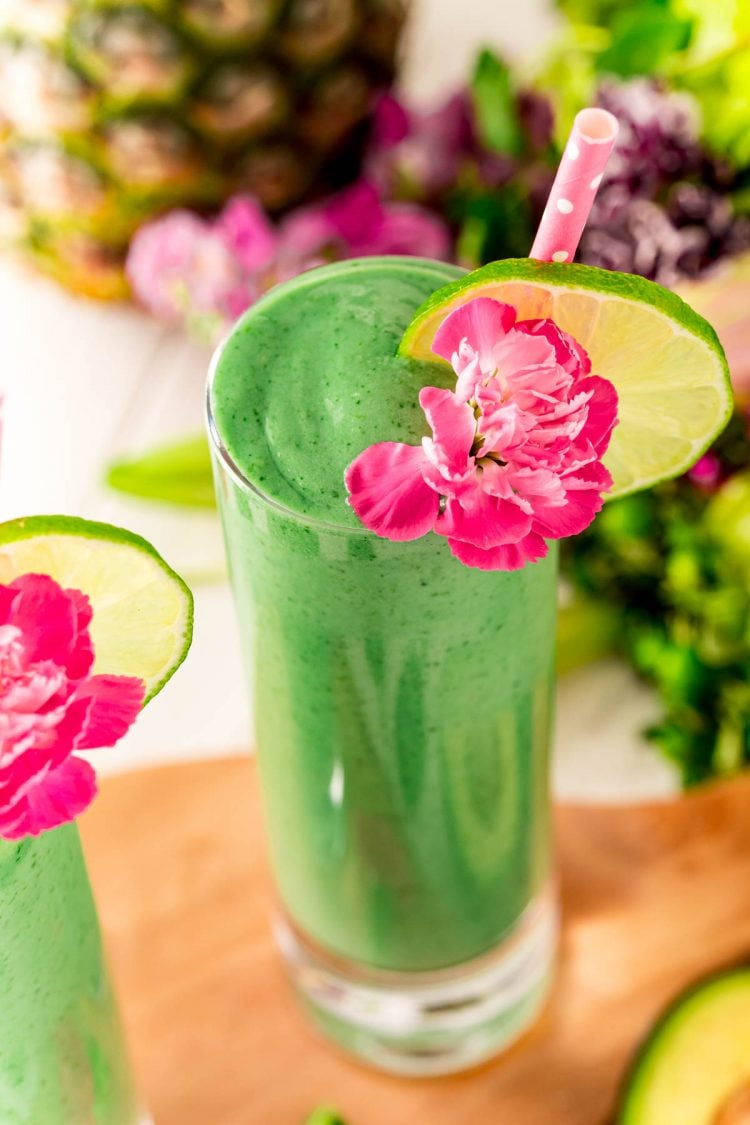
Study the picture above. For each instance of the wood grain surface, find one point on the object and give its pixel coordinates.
(653, 896)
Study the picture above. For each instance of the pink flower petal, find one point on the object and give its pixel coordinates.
(502, 424)
(388, 493)
(112, 706)
(355, 213)
(602, 411)
(527, 363)
(469, 371)
(483, 322)
(82, 657)
(593, 475)
(428, 157)
(390, 123)
(511, 556)
(61, 796)
(305, 233)
(359, 224)
(489, 522)
(159, 252)
(247, 232)
(7, 597)
(28, 768)
(182, 269)
(571, 518)
(456, 486)
(541, 487)
(235, 301)
(583, 500)
(54, 622)
(706, 472)
(409, 230)
(47, 617)
(40, 687)
(453, 426)
(570, 355)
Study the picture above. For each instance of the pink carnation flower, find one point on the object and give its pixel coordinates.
(515, 453)
(51, 706)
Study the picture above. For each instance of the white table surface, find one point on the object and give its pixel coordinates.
(85, 383)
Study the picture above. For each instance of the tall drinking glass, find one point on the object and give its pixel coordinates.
(402, 701)
(62, 1055)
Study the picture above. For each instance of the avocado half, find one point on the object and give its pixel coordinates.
(694, 1068)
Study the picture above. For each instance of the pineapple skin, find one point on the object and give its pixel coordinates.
(114, 111)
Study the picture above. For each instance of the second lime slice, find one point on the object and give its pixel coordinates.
(142, 611)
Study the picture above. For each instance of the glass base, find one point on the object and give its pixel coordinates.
(423, 1024)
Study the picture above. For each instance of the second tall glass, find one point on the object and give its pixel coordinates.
(62, 1054)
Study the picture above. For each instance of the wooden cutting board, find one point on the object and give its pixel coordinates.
(653, 897)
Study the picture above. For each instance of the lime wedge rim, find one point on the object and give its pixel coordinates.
(51, 526)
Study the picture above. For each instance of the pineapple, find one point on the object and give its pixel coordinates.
(112, 111)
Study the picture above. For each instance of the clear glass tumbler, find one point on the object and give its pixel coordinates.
(403, 706)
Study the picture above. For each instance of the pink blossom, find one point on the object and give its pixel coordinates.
(248, 233)
(356, 223)
(183, 267)
(515, 453)
(420, 154)
(706, 472)
(51, 705)
(307, 238)
(392, 122)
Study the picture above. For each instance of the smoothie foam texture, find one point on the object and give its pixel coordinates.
(310, 376)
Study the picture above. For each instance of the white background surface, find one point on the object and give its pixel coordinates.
(85, 383)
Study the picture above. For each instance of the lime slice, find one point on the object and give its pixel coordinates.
(143, 612)
(664, 359)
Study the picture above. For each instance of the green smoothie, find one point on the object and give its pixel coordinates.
(62, 1059)
(402, 700)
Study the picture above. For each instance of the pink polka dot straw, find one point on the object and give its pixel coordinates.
(586, 154)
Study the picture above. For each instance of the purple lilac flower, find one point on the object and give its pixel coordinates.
(663, 210)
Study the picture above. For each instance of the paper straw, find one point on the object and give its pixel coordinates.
(578, 177)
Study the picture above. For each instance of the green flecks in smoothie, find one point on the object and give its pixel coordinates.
(401, 699)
